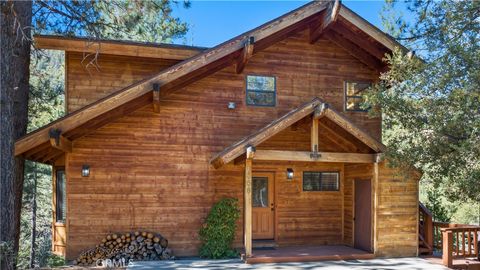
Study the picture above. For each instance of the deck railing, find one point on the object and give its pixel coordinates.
(456, 241)
(425, 230)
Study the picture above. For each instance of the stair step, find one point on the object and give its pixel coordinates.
(423, 250)
(264, 244)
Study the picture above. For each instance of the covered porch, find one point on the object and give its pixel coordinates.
(309, 187)
(307, 254)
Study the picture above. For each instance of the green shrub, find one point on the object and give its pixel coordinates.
(218, 231)
(55, 261)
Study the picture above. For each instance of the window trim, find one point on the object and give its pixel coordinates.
(260, 91)
(322, 191)
(346, 96)
(56, 220)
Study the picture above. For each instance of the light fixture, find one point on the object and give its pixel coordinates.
(85, 170)
(289, 174)
(231, 105)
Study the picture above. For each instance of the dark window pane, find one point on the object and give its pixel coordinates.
(321, 181)
(260, 192)
(260, 90)
(260, 98)
(61, 196)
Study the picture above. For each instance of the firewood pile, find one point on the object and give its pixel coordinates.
(138, 246)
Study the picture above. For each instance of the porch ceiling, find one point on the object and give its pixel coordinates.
(313, 128)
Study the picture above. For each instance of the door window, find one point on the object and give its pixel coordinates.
(260, 192)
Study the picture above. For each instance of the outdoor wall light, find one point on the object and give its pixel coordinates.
(289, 174)
(231, 105)
(85, 170)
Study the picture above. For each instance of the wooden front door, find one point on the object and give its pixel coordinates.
(363, 215)
(263, 206)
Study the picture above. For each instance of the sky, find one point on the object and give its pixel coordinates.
(213, 22)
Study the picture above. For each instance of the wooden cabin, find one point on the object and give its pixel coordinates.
(155, 134)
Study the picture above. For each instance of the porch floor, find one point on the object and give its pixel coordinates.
(307, 254)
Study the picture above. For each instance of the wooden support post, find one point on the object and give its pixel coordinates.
(429, 232)
(375, 208)
(248, 201)
(314, 139)
(246, 54)
(475, 241)
(156, 97)
(60, 142)
(447, 256)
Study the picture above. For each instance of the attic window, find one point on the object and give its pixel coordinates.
(354, 95)
(261, 90)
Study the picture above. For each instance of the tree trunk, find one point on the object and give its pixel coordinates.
(34, 218)
(15, 23)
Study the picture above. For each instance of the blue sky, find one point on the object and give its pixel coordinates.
(212, 22)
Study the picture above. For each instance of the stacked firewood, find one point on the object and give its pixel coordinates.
(138, 246)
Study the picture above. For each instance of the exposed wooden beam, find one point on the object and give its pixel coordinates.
(115, 47)
(345, 144)
(320, 110)
(246, 54)
(169, 75)
(263, 134)
(370, 29)
(60, 142)
(280, 155)
(156, 97)
(355, 131)
(329, 16)
(250, 152)
(364, 43)
(354, 50)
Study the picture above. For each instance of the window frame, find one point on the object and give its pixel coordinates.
(346, 96)
(315, 191)
(260, 91)
(56, 219)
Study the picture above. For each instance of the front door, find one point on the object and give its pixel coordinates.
(263, 206)
(363, 215)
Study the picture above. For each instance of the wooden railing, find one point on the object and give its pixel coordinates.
(425, 230)
(457, 241)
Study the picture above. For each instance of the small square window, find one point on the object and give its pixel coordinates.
(261, 90)
(321, 181)
(354, 95)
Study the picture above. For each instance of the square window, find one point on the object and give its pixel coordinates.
(321, 181)
(261, 90)
(354, 95)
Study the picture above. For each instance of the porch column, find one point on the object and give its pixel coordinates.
(248, 201)
(375, 204)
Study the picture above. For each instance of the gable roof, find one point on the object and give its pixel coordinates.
(138, 94)
(237, 149)
(116, 47)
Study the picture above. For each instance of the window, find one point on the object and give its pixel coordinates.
(60, 196)
(321, 181)
(261, 90)
(354, 98)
